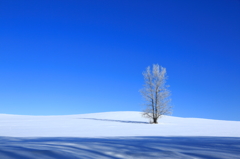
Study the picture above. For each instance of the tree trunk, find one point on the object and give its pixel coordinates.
(155, 121)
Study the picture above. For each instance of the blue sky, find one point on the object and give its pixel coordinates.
(72, 57)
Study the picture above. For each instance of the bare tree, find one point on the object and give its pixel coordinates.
(155, 93)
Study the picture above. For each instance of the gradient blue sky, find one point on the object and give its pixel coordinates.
(77, 56)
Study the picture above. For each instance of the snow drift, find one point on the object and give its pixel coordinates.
(112, 124)
(116, 135)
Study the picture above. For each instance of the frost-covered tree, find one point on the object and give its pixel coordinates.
(155, 93)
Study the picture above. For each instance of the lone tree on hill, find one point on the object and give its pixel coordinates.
(155, 93)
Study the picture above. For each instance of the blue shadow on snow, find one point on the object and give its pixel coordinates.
(120, 147)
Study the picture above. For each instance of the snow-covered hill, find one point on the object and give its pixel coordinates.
(116, 135)
(113, 124)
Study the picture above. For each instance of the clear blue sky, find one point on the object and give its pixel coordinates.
(77, 56)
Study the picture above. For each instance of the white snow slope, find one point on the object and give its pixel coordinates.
(116, 135)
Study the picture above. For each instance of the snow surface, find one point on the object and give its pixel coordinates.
(116, 135)
(113, 124)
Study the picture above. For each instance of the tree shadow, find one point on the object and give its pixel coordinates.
(121, 121)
